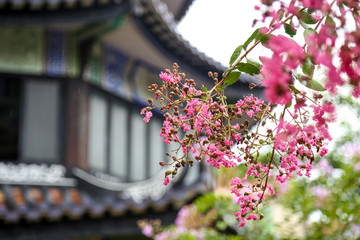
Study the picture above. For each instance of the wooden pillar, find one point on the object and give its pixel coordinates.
(76, 124)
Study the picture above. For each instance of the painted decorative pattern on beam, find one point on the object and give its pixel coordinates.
(114, 74)
(56, 62)
(32, 50)
(21, 49)
(110, 69)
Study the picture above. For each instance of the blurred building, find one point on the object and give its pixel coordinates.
(76, 158)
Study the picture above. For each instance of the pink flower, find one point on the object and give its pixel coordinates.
(168, 77)
(165, 77)
(250, 113)
(148, 114)
(276, 71)
(324, 114)
(320, 192)
(289, 51)
(147, 231)
(147, 117)
(323, 151)
(285, 138)
(166, 181)
(271, 190)
(315, 4)
(357, 167)
(276, 81)
(235, 181)
(252, 217)
(328, 169)
(166, 235)
(308, 169)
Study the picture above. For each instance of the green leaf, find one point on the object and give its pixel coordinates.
(251, 38)
(263, 37)
(308, 68)
(304, 25)
(235, 54)
(250, 67)
(308, 31)
(289, 104)
(280, 14)
(294, 89)
(314, 85)
(253, 62)
(205, 202)
(221, 225)
(306, 18)
(229, 70)
(204, 89)
(310, 83)
(232, 78)
(290, 30)
(311, 10)
(329, 21)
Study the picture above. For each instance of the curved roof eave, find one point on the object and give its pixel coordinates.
(153, 18)
(183, 10)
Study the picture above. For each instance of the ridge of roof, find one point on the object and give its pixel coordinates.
(162, 25)
(34, 202)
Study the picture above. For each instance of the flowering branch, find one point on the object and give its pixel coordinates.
(201, 121)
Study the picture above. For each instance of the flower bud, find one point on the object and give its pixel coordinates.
(183, 163)
(191, 163)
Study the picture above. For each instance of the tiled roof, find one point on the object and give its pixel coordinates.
(60, 11)
(49, 202)
(37, 5)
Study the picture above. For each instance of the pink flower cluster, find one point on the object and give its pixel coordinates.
(298, 141)
(205, 130)
(277, 70)
(190, 112)
(247, 200)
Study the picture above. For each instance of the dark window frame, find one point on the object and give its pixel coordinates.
(59, 159)
(131, 108)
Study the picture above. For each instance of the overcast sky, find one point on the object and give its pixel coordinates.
(218, 27)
